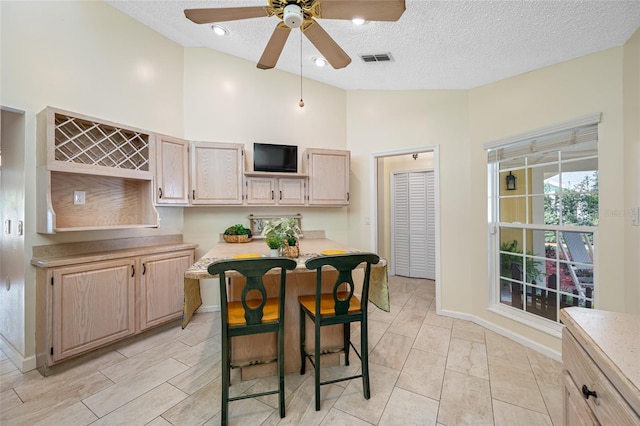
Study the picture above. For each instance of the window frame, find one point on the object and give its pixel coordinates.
(532, 320)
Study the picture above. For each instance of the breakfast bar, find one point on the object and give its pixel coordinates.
(250, 351)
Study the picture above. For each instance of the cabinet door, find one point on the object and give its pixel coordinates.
(216, 173)
(261, 190)
(576, 410)
(328, 176)
(172, 171)
(291, 191)
(93, 304)
(162, 287)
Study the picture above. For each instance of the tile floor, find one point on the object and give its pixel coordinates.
(426, 369)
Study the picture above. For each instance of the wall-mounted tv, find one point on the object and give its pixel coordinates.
(275, 158)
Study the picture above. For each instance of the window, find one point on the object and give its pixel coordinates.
(543, 214)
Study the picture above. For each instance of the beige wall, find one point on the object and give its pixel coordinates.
(562, 92)
(88, 57)
(631, 103)
(388, 121)
(227, 99)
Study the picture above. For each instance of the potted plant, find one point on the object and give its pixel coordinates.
(531, 268)
(237, 234)
(287, 231)
(275, 243)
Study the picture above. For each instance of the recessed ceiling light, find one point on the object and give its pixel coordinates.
(320, 62)
(359, 21)
(220, 30)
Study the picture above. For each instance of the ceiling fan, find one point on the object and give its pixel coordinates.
(303, 14)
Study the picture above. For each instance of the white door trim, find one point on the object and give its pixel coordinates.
(373, 208)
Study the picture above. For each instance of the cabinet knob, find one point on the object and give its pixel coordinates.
(587, 393)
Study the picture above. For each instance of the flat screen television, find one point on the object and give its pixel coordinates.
(275, 158)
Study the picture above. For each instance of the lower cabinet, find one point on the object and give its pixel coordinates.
(86, 305)
(92, 305)
(160, 295)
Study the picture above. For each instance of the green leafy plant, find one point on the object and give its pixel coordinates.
(274, 242)
(237, 230)
(506, 259)
(285, 228)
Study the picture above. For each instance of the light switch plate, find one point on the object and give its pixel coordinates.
(635, 213)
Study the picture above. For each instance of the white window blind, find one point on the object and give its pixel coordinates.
(551, 138)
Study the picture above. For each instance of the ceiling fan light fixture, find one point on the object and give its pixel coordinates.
(320, 62)
(220, 30)
(293, 16)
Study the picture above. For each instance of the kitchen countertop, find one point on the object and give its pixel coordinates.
(612, 339)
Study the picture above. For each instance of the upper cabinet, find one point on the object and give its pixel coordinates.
(216, 173)
(270, 189)
(92, 174)
(172, 171)
(328, 172)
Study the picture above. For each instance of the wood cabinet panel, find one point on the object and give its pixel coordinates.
(261, 190)
(172, 171)
(328, 176)
(88, 300)
(93, 305)
(161, 287)
(216, 173)
(291, 191)
(275, 191)
(92, 174)
(600, 367)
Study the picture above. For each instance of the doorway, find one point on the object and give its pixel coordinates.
(381, 164)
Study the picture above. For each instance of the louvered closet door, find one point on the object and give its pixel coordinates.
(400, 219)
(413, 218)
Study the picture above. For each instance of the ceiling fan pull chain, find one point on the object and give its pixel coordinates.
(301, 103)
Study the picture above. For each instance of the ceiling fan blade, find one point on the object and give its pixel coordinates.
(326, 45)
(207, 16)
(369, 10)
(274, 47)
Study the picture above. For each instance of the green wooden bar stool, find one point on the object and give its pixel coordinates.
(340, 306)
(251, 315)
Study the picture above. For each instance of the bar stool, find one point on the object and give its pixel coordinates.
(251, 315)
(340, 306)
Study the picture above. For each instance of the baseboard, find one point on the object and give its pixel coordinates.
(506, 333)
(23, 364)
(214, 308)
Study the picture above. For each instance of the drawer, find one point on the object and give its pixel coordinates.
(609, 407)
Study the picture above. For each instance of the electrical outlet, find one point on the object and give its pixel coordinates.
(78, 197)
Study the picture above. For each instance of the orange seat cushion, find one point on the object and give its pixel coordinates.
(236, 311)
(327, 304)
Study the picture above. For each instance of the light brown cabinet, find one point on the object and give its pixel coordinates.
(172, 171)
(92, 305)
(216, 173)
(599, 352)
(92, 174)
(161, 287)
(270, 190)
(328, 172)
(90, 300)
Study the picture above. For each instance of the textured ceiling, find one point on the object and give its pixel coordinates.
(456, 44)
